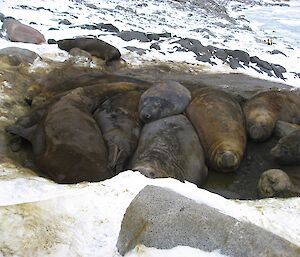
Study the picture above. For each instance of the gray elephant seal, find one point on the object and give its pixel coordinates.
(287, 150)
(276, 183)
(265, 108)
(219, 122)
(119, 122)
(170, 147)
(94, 46)
(163, 99)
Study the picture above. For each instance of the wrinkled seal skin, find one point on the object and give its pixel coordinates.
(287, 150)
(19, 32)
(67, 142)
(219, 122)
(265, 108)
(170, 147)
(94, 46)
(119, 122)
(163, 99)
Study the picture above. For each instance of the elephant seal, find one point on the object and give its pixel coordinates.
(67, 143)
(19, 32)
(163, 99)
(287, 150)
(94, 46)
(219, 122)
(170, 147)
(119, 122)
(283, 128)
(276, 183)
(265, 108)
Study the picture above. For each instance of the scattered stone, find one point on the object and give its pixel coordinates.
(52, 41)
(16, 55)
(277, 52)
(32, 23)
(164, 219)
(2, 17)
(240, 55)
(204, 58)
(139, 51)
(221, 54)
(92, 6)
(65, 22)
(234, 63)
(19, 32)
(131, 35)
(153, 36)
(262, 64)
(53, 29)
(155, 46)
(108, 27)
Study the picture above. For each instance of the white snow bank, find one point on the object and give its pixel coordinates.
(41, 218)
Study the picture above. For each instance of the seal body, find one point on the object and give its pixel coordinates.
(219, 122)
(265, 108)
(19, 32)
(119, 122)
(287, 150)
(170, 147)
(163, 99)
(94, 46)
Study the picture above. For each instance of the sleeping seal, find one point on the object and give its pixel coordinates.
(163, 99)
(265, 108)
(219, 122)
(120, 125)
(170, 147)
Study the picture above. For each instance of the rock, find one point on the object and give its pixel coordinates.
(2, 17)
(262, 64)
(131, 35)
(19, 32)
(52, 41)
(53, 29)
(65, 22)
(139, 51)
(204, 58)
(234, 63)
(283, 128)
(240, 55)
(221, 54)
(17, 55)
(277, 52)
(108, 27)
(92, 6)
(155, 46)
(164, 219)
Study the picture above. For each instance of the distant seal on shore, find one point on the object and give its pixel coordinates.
(219, 122)
(163, 99)
(265, 108)
(119, 122)
(19, 32)
(170, 147)
(287, 150)
(94, 46)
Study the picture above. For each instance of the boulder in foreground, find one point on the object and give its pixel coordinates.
(164, 219)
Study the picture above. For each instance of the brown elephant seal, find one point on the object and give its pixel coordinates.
(67, 143)
(265, 108)
(287, 149)
(276, 183)
(94, 46)
(119, 122)
(163, 99)
(170, 147)
(19, 32)
(219, 122)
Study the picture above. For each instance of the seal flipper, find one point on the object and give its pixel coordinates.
(25, 133)
(114, 155)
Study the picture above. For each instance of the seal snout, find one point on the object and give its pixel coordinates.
(227, 161)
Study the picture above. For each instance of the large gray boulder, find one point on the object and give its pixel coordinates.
(164, 219)
(17, 55)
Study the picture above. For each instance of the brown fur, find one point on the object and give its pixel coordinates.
(219, 122)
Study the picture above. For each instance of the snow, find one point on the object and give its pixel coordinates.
(43, 218)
